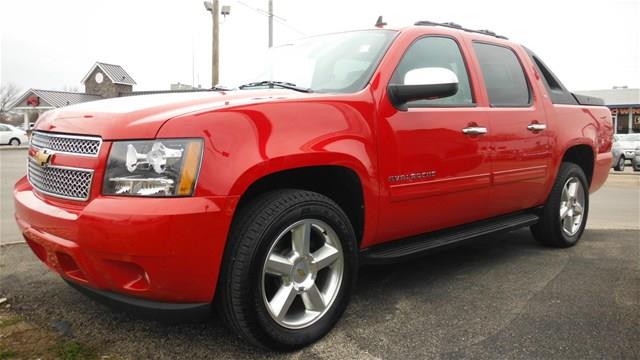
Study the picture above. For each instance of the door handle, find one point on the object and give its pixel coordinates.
(536, 127)
(474, 130)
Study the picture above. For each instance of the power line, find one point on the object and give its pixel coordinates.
(279, 19)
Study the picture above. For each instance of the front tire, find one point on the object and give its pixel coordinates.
(564, 215)
(288, 271)
(620, 164)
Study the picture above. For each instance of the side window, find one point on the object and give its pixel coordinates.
(3, 128)
(503, 76)
(436, 52)
(559, 94)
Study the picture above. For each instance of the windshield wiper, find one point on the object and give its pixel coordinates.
(271, 84)
(221, 88)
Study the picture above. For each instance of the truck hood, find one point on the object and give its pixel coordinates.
(140, 117)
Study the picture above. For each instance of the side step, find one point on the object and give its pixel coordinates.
(413, 246)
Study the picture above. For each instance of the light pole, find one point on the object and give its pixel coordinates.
(270, 23)
(213, 7)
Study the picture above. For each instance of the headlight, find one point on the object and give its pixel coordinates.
(163, 167)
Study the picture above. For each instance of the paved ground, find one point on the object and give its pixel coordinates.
(502, 297)
(13, 165)
(617, 204)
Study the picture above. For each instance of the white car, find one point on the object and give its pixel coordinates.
(11, 135)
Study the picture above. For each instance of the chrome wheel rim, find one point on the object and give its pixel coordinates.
(572, 206)
(302, 273)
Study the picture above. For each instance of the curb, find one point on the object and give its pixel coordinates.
(635, 173)
(9, 147)
(13, 243)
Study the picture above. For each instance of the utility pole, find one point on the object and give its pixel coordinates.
(215, 51)
(270, 23)
(214, 7)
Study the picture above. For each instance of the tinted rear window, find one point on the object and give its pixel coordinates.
(503, 76)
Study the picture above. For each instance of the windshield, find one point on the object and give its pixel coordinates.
(342, 62)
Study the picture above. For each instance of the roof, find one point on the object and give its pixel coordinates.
(56, 98)
(458, 27)
(115, 73)
(618, 96)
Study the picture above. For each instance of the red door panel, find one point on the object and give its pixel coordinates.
(434, 176)
(520, 159)
(519, 140)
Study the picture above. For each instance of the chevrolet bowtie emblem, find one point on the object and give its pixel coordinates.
(43, 157)
(301, 272)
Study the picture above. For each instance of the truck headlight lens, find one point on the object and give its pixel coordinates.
(163, 167)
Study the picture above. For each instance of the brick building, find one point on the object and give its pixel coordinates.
(103, 81)
(107, 81)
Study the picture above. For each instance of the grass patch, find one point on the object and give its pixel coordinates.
(74, 351)
(9, 322)
(7, 354)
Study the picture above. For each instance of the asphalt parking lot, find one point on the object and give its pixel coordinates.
(501, 297)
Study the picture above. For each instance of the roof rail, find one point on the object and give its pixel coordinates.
(459, 27)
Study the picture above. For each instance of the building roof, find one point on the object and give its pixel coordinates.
(617, 96)
(54, 99)
(115, 73)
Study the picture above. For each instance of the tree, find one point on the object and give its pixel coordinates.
(8, 94)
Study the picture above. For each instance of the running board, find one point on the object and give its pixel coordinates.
(414, 246)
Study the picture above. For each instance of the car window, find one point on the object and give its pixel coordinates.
(440, 52)
(504, 78)
(4, 128)
(334, 63)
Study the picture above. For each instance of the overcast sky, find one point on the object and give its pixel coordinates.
(49, 44)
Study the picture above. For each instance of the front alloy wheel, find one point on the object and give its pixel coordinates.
(302, 273)
(289, 268)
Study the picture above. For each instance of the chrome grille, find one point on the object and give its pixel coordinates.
(70, 144)
(64, 182)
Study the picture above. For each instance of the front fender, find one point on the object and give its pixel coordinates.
(245, 144)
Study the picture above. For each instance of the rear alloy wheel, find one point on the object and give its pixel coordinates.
(572, 206)
(14, 142)
(564, 215)
(288, 270)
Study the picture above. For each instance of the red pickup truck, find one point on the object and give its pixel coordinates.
(352, 148)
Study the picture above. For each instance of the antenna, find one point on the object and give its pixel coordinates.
(379, 23)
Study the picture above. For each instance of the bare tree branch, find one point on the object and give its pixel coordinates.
(8, 94)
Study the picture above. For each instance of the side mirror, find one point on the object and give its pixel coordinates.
(424, 84)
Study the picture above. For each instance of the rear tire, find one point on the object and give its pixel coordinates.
(564, 215)
(620, 164)
(14, 142)
(290, 245)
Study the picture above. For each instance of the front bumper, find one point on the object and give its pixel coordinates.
(160, 249)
